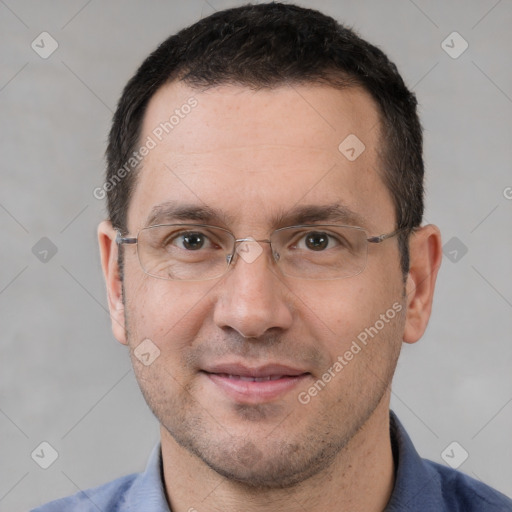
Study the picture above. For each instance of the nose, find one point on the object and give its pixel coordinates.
(252, 298)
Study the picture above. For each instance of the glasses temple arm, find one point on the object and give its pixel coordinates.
(121, 240)
(380, 238)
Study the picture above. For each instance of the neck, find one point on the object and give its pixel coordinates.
(360, 479)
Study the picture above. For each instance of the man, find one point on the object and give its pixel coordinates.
(265, 260)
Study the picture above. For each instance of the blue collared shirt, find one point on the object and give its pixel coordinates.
(420, 486)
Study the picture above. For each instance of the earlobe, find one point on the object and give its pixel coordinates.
(109, 263)
(425, 259)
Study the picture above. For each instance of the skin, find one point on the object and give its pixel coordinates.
(251, 154)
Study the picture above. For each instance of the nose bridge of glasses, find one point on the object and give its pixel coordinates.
(250, 252)
(250, 239)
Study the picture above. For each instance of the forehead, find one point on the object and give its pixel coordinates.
(254, 154)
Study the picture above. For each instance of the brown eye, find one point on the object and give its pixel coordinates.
(317, 241)
(193, 241)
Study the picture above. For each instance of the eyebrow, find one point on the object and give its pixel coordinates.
(306, 214)
(172, 211)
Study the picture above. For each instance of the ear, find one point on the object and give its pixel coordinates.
(426, 254)
(109, 251)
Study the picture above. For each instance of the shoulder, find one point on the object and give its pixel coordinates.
(138, 491)
(462, 493)
(109, 496)
(424, 485)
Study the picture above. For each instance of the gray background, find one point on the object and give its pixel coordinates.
(63, 377)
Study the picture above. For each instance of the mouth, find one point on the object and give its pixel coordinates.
(257, 384)
(251, 379)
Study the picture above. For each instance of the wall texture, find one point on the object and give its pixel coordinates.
(64, 380)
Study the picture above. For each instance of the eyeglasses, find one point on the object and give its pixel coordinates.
(194, 252)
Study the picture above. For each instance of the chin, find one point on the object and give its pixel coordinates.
(263, 465)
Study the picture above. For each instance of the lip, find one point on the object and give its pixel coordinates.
(255, 384)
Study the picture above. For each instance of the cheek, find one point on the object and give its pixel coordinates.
(339, 311)
(170, 314)
(335, 308)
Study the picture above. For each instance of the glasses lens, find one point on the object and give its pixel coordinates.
(320, 252)
(184, 251)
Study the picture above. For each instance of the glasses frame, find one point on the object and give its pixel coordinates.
(230, 257)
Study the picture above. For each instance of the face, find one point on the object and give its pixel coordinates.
(249, 160)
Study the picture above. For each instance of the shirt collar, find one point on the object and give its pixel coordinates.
(147, 492)
(417, 485)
